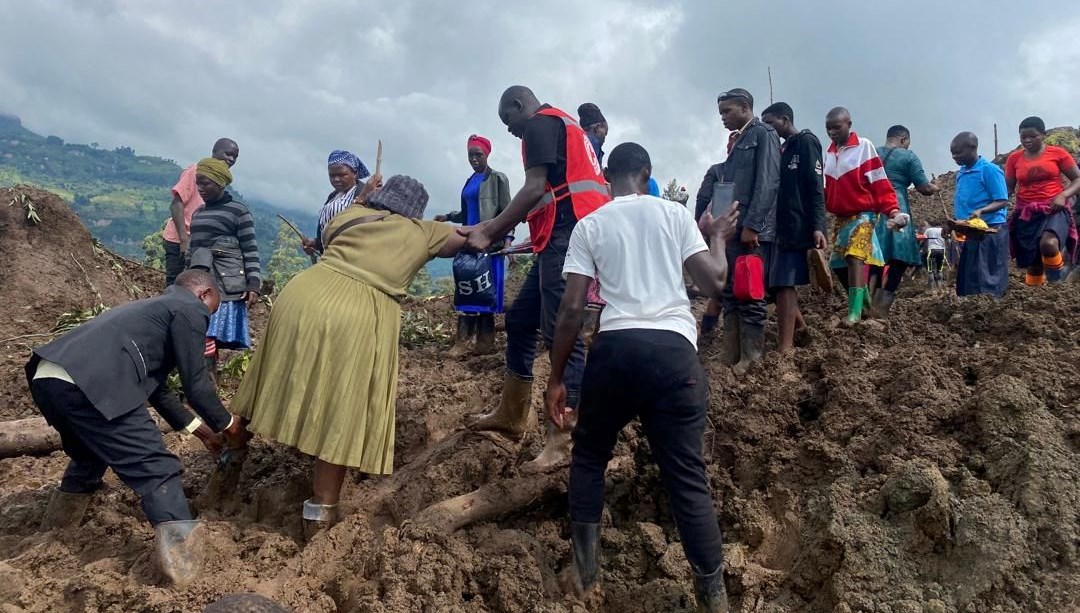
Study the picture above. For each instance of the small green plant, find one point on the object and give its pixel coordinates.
(237, 365)
(519, 267)
(74, 319)
(24, 201)
(418, 329)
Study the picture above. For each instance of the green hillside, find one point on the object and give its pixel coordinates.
(120, 196)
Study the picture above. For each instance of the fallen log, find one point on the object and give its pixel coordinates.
(492, 501)
(27, 437)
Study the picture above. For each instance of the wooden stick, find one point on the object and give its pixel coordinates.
(293, 227)
(378, 159)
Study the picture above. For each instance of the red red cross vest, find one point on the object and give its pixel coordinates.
(585, 185)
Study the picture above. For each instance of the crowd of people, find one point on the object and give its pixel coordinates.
(762, 215)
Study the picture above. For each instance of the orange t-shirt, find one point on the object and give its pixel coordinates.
(187, 192)
(1039, 179)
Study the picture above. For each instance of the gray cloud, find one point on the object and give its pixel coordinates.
(292, 80)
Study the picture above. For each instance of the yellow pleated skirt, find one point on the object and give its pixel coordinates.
(324, 378)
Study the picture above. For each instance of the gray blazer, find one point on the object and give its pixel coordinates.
(494, 198)
(122, 358)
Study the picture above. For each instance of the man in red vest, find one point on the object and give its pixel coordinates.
(563, 183)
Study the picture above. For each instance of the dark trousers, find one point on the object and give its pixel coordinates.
(174, 262)
(752, 312)
(936, 264)
(131, 445)
(535, 309)
(656, 376)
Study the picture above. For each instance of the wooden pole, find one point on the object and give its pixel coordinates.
(995, 141)
(770, 86)
(27, 437)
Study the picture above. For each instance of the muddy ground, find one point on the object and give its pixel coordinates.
(925, 464)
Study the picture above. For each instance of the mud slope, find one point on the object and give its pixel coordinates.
(928, 464)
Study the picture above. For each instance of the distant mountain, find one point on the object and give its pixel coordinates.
(120, 196)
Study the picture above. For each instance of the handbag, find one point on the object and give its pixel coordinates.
(749, 282)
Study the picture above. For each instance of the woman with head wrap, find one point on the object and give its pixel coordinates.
(223, 242)
(485, 195)
(325, 377)
(346, 172)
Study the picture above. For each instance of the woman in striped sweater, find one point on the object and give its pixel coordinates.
(223, 242)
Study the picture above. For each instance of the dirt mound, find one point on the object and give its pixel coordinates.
(926, 464)
(52, 266)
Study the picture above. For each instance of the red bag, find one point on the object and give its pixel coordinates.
(749, 281)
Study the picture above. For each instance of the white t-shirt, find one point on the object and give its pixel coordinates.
(635, 246)
(934, 239)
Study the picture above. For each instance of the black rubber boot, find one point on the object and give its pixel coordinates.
(585, 542)
(730, 349)
(751, 346)
(711, 592)
(485, 335)
(466, 328)
(883, 301)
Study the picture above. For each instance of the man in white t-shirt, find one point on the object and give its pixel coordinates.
(643, 362)
(935, 255)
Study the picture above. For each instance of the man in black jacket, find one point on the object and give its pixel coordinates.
(800, 218)
(753, 165)
(92, 385)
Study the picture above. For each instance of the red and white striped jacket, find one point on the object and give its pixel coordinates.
(855, 180)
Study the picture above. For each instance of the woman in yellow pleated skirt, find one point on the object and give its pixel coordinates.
(324, 378)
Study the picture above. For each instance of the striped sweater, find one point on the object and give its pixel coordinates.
(855, 180)
(228, 217)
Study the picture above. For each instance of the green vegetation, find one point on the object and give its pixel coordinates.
(153, 246)
(69, 321)
(287, 258)
(423, 286)
(1067, 139)
(418, 329)
(120, 196)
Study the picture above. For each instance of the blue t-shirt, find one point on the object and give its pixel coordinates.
(977, 186)
(470, 197)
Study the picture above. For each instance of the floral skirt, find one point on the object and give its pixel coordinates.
(855, 237)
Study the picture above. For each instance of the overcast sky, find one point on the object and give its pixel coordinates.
(291, 80)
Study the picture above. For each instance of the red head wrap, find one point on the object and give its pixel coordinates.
(480, 141)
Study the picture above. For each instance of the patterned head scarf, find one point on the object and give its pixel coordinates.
(345, 158)
(402, 195)
(215, 170)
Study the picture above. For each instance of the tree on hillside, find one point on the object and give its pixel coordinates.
(673, 192)
(153, 246)
(421, 284)
(287, 259)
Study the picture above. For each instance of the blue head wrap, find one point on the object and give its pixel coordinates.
(340, 156)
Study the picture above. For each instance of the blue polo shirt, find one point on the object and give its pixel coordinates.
(977, 186)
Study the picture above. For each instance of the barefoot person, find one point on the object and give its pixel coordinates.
(563, 183)
(347, 173)
(899, 247)
(340, 409)
(1042, 227)
(857, 190)
(485, 195)
(92, 386)
(800, 218)
(647, 315)
(186, 200)
(981, 193)
(753, 165)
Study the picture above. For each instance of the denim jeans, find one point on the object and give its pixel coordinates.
(656, 376)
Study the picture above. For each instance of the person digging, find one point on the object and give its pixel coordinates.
(92, 386)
